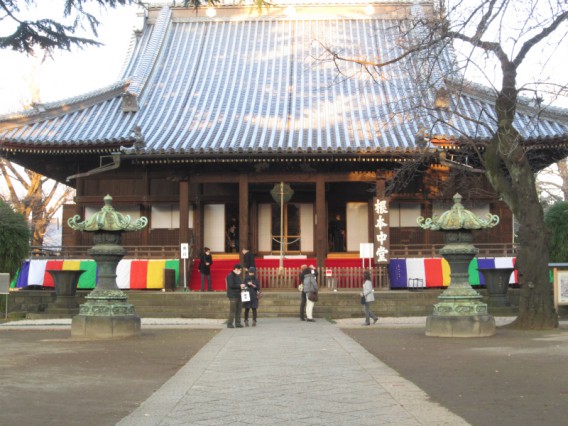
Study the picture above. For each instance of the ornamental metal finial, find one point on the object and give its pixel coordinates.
(458, 217)
(108, 219)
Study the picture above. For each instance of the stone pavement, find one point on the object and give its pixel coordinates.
(288, 372)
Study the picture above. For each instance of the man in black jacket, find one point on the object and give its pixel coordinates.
(234, 287)
(205, 262)
(248, 259)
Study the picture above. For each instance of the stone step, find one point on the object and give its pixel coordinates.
(333, 305)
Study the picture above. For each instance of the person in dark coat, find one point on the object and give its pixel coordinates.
(253, 286)
(231, 239)
(337, 232)
(234, 287)
(303, 268)
(248, 259)
(205, 262)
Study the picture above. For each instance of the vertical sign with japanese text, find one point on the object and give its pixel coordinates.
(381, 230)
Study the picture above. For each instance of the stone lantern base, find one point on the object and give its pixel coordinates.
(106, 315)
(466, 326)
(460, 313)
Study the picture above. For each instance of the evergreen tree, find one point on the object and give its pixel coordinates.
(14, 239)
(556, 219)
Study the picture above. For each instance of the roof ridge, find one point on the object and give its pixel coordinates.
(144, 68)
(524, 103)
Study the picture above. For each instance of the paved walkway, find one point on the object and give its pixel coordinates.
(288, 372)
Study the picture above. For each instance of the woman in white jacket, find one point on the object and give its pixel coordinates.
(369, 295)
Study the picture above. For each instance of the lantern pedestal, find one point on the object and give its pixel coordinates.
(106, 314)
(460, 312)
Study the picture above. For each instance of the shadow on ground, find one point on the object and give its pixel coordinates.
(512, 378)
(49, 379)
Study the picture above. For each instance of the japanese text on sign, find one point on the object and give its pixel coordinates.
(381, 230)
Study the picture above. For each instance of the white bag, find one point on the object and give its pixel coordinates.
(245, 296)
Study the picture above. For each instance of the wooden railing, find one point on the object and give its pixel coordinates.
(341, 278)
(133, 252)
(432, 250)
(172, 252)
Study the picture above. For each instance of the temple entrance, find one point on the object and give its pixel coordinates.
(291, 228)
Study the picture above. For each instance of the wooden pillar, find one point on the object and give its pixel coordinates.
(198, 219)
(243, 213)
(183, 211)
(145, 233)
(426, 211)
(146, 210)
(183, 225)
(321, 222)
(380, 186)
(79, 210)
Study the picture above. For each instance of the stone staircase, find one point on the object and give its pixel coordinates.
(332, 305)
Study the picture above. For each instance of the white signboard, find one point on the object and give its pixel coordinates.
(5, 289)
(184, 251)
(4, 283)
(366, 250)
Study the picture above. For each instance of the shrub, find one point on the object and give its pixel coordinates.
(556, 219)
(14, 239)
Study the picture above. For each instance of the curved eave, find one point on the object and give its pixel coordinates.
(288, 151)
(63, 148)
(275, 157)
(49, 111)
(443, 141)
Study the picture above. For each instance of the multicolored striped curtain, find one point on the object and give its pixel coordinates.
(130, 274)
(435, 272)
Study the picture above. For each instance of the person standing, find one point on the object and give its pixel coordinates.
(231, 239)
(248, 259)
(311, 289)
(369, 294)
(337, 233)
(205, 262)
(253, 286)
(234, 288)
(303, 270)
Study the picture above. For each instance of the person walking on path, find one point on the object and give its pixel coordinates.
(303, 268)
(248, 259)
(205, 262)
(253, 287)
(368, 296)
(311, 291)
(234, 288)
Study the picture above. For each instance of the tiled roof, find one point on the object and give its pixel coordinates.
(261, 85)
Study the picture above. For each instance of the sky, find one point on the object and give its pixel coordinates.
(68, 73)
(73, 73)
(79, 71)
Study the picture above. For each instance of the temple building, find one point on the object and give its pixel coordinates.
(217, 117)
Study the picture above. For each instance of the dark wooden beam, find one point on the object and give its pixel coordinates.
(321, 223)
(243, 213)
(285, 177)
(183, 226)
(183, 211)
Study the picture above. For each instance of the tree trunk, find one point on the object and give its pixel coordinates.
(509, 172)
(536, 306)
